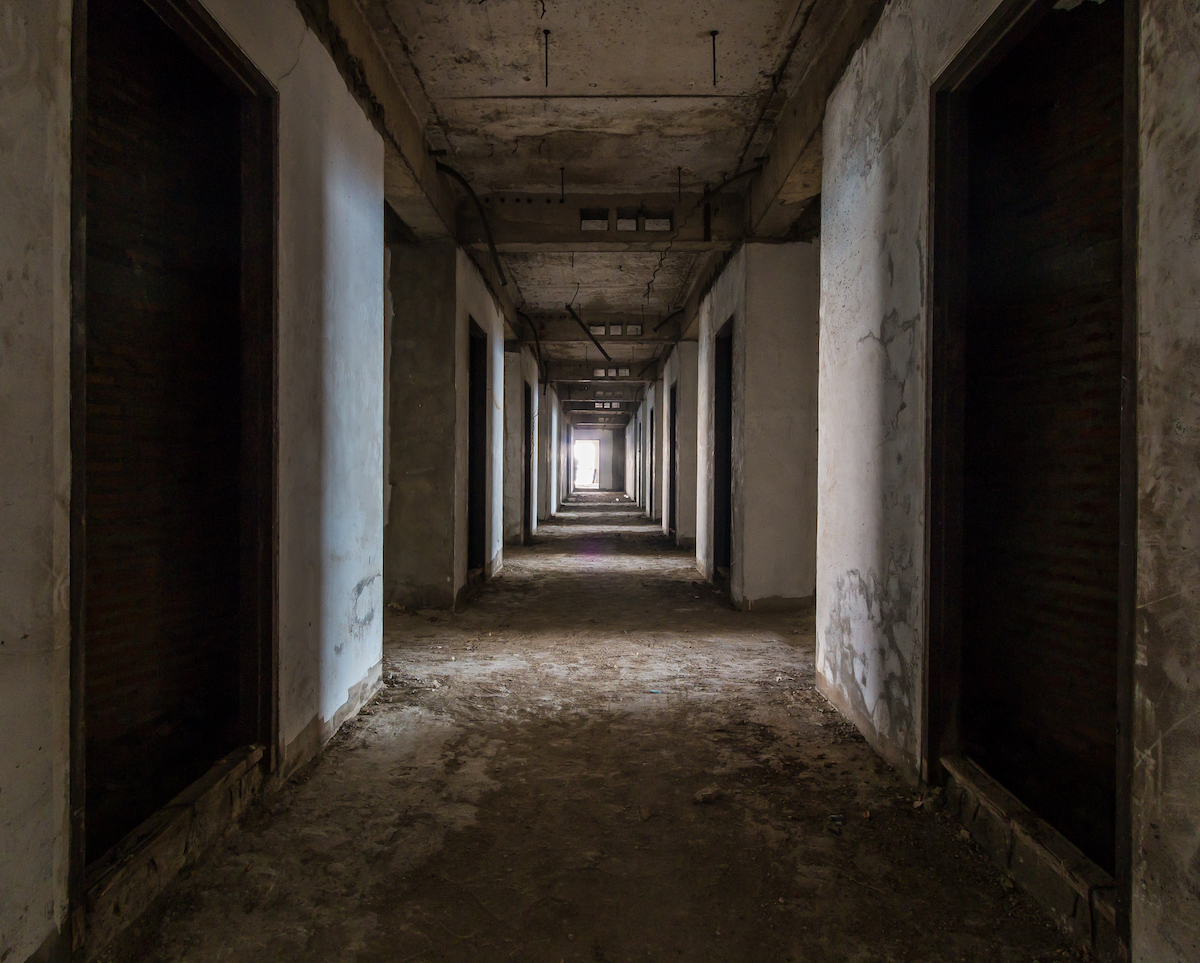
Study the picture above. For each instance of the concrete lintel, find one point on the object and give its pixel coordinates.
(412, 185)
(792, 173)
(544, 223)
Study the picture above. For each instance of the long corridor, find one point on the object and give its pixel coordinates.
(597, 759)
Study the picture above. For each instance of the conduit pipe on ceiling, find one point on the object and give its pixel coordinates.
(537, 341)
(487, 227)
(588, 332)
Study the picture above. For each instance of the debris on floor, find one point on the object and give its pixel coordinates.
(549, 796)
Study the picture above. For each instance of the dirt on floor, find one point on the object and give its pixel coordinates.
(598, 759)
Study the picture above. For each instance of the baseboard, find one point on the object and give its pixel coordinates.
(779, 603)
(1078, 894)
(120, 886)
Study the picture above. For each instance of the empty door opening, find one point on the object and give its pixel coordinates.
(1027, 428)
(723, 450)
(587, 464)
(477, 411)
(175, 459)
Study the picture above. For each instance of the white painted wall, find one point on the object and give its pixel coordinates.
(35, 482)
(330, 377)
(330, 423)
(475, 301)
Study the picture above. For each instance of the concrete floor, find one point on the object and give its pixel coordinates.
(525, 788)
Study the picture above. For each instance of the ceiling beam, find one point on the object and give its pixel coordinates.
(562, 329)
(584, 373)
(792, 173)
(550, 223)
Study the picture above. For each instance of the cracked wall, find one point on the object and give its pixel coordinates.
(1166, 775)
(871, 459)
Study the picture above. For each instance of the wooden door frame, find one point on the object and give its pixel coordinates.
(258, 299)
(945, 406)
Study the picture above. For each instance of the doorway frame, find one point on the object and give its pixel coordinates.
(192, 23)
(945, 407)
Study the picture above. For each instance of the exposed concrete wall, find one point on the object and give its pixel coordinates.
(514, 446)
(475, 301)
(35, 483)
(777, 502)
(423, 405)
(520, 369)
(1166, 778)
(330, 377)
(726, 299)
(547, 457)
(684, 361)
(649, 497)
(871, 479)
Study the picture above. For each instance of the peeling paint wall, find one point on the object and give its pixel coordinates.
(871, 479)
(35, 482)
(475, 302)
(1166, 777)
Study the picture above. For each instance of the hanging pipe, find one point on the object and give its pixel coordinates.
(588, 332)
(487, 227)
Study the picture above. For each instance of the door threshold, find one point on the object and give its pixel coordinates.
(1077, 894)
(121, 885)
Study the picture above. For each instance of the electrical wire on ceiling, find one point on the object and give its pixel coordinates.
(704, 199)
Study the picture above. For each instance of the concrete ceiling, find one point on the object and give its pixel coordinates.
(626, 114)
(630, 97)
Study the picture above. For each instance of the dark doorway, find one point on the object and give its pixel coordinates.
(527, 512)
(174, 455)
(674, 456)
(723, 450)
(1027, 430)
(477, 450)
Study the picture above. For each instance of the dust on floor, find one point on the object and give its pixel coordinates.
(598, 759)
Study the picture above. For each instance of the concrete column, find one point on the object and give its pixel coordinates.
(419, 542)
(681, 373)
(520, 370)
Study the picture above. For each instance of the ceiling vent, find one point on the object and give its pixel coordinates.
(593, 219)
